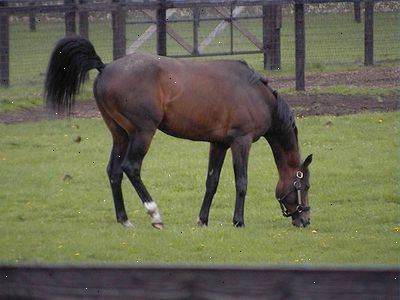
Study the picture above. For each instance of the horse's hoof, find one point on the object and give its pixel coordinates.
(159, 226)
(200, 223)
(127, 224)
(238, 224)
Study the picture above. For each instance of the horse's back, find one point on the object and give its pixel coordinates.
(196, 100)
(214, 100)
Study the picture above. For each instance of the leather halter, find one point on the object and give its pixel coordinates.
(297, 188)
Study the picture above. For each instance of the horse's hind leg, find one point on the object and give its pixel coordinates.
(139, 143)
(240, 154)
(115, 175)
(215, 162)
(114, 170)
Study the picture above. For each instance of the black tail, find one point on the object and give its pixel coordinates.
(71, 60)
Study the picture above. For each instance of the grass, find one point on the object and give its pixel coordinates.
(334, 43)
(354, 198)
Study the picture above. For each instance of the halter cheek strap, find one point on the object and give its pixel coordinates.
(298, 189)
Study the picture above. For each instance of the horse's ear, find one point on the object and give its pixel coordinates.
(307, 161)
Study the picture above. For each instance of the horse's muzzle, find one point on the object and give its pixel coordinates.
(301, 221)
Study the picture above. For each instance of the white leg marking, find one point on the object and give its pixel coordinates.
(128, 224)
(152, 210)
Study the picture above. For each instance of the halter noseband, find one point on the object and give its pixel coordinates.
(298, 189)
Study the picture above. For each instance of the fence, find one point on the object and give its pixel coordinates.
(69, 282)
(158, 17)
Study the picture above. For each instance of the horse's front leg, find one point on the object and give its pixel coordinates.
(215, 162)
(138, 145)
(240, 155)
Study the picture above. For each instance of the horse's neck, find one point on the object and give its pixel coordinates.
(286, 153)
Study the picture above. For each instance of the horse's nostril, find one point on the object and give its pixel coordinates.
(296, 223)
(305, 222)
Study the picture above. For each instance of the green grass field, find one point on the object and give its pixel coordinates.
(334, 43)
(354, 198)
(355, 173)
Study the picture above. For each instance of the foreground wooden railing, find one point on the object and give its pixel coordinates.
(124, 282)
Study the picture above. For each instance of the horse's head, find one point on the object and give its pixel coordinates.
(292, 194)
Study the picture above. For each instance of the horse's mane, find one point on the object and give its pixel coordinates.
(283, 122)
(253, 76)
(284, 116)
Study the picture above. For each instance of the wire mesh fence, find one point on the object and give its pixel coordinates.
(334, 37)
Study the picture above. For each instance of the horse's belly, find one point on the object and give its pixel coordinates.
(213, 119)
(194, 129)
(217, 129)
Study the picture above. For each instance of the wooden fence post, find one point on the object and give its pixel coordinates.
(196, 25)
(4, 48)
(83, 21)
(272, 20)
(162, 28)
(32, 18)
(119, 30)
(369, 34)
(300, 47)
(70, 26)
(357, 11)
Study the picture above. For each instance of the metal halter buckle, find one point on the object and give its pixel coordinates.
(297, 185)
(299, 209)
(299, 174)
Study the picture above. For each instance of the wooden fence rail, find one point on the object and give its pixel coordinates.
(97, 282)
(270, 44)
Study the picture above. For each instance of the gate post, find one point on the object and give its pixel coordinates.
(272, 23)
(162, 28)
(119, 30)
(4, 48)
(70, 16)
(369, 34)
(83, 21)
(300, 47)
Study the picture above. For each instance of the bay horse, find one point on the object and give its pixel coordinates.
(223, 102)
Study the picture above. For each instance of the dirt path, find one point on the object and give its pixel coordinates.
(302, 105)
(366, 77)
